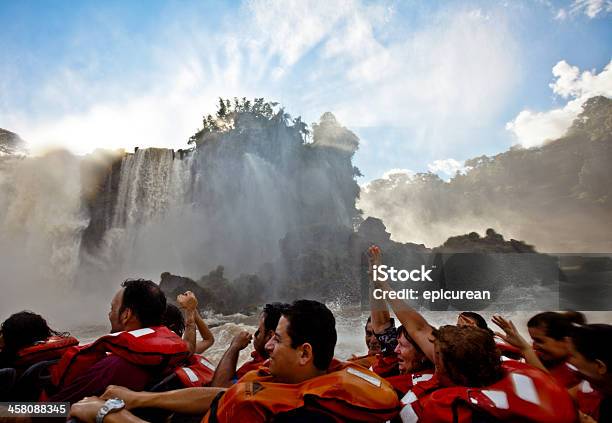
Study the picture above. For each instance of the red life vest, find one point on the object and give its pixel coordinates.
(350, 393)
(197, 372)
(257, 360)
(156, 347)
(386, 366)
(589, 400)
(407, 382)
(565, 374)
(524, 394)
(50, 349)
(508, 351)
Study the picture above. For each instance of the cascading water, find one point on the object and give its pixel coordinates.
(78, 226)
(41, 221)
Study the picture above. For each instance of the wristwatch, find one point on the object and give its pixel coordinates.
(110, 406)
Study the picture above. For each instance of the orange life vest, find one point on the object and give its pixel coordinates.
(198, 371)
(524, 394)
(350, 393)
(257, 360)
(50, 349)
(589, 400)
(157, 347)
(366, 361)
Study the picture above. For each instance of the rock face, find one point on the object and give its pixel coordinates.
(472, 262)
(11, 143)
(253, 178)
(213, 291)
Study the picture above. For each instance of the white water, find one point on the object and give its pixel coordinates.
(350, 322)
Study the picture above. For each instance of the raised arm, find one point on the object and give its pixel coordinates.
(513, 337)
(189, 303)
(379, 314)
(208, 339)
(415, 324)
(226, 369)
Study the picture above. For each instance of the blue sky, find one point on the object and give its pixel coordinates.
(425, 85)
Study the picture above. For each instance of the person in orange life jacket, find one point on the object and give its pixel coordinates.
(189, 304)
(383, 325)
(25, 339)
(591, 353)
(135, 317)
(226, 373)
(550, 350)
(471, 383)
(372, 345)
(301, 351)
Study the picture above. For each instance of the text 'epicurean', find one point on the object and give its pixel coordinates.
(385, 273)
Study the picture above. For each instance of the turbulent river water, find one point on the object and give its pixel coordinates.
(350, 322)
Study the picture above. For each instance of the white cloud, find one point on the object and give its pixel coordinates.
(591, 8)
(393, 173)
(533, 128)
(561, 15)
(351, 57)
(448, 167)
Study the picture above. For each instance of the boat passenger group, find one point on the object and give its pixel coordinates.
(150, 367)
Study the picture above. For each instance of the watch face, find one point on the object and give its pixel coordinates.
(115, 403)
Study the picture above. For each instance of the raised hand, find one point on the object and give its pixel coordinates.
(511, 335)
(242, 340)
(188, 301)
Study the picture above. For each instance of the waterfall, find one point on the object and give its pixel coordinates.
(41, 222)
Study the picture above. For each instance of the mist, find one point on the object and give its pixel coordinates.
(557, 197)
(74, 227)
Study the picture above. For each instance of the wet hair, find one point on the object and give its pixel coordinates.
(555, 325)
(470, 355)
(368, 322)
(575, 317)
(272, 313)
(174, 320)
(593, 342)
(146, 300)
(480, 321)
(23, 329)
(312, 322)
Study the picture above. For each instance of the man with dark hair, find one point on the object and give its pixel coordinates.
(373, 346)
(226, 373)
(143, 299)
(141, 350)
(308, 329)
(370, 338)
(302, 384)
